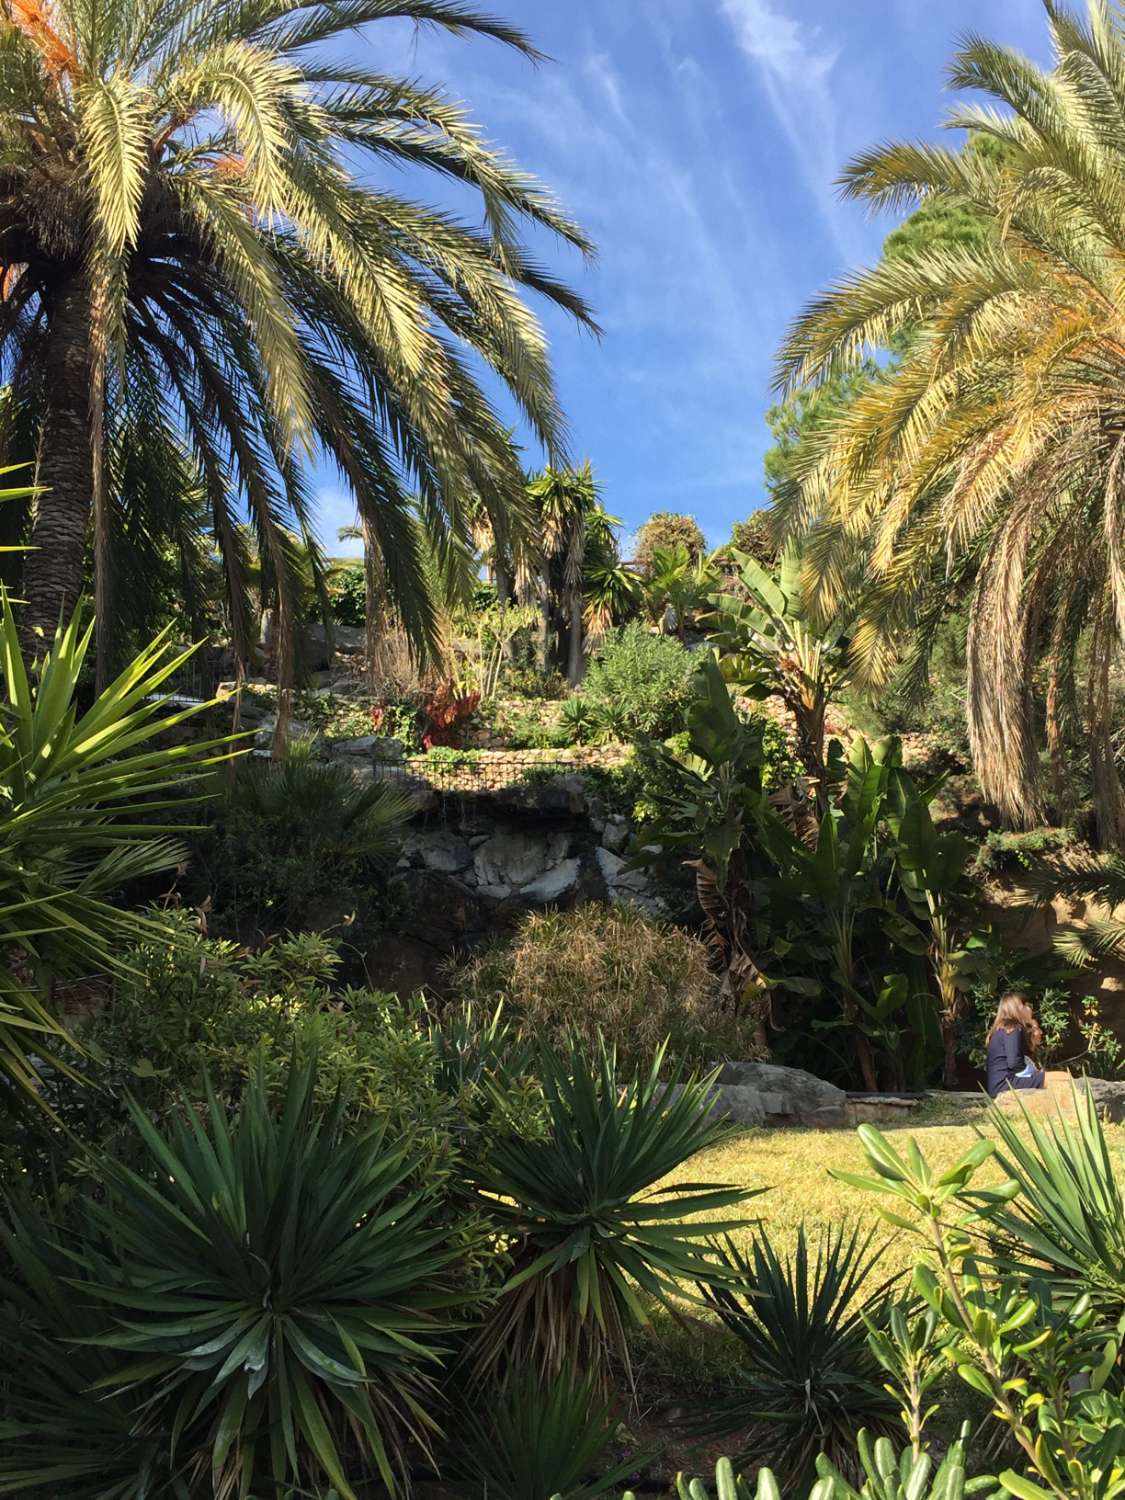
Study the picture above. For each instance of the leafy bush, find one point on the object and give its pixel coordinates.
(347, 594)
(526, 680)
(270, 1295)
(1030, 1331)
(77, 779)
(202, 1004)
(1005, 850)
(607, 971)
(590, 1216)
(811, 1380)
(448, 755)
(643, 678)
(291, 833)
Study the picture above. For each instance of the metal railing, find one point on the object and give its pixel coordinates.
(479, 771)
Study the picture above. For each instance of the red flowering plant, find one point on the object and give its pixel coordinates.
(446, 715)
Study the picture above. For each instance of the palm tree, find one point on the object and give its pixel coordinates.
(565, 501)
(185, 232)
(997, 444)
(679, 584)
(611, 590)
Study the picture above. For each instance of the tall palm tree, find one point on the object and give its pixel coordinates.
(194, 222)
(565, 501)
(999, 439)
(611, 590)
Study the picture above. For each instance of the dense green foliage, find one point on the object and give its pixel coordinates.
(214, 266)
(293, 833)
(809, 1378)
(642, 679)
(666, 529)
(599, 1234)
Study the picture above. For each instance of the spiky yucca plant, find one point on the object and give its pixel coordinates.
(78, 787)
(998, 437)
(196, 227)
(265, 1294)
(594, 1230)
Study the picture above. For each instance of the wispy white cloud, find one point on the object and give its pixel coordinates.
(795, 64)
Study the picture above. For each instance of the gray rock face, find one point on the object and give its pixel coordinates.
(788, 1095)
(627, 887)
(1109, 1096)
(615, 834)
(553, 884)
(494, 892)
(443, 851)
(514, 859)
(363, 744)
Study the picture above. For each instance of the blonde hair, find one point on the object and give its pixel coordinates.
(1014, 1013)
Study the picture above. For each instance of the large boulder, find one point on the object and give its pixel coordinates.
(555, 883)
(441, 850)
(518, 859)
(788, 1096)
(627, 887)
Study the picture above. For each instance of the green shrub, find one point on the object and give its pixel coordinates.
(347, 594)
(1024, 1276)
(448, 755)
(577, 719)
(1005, 850)
(202, 1004)
(535, 1442)
(271, 1290)
(292, 833)
(607, 971)
(641, 681)
(885, 1475)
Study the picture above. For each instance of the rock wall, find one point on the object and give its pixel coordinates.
(473, 864)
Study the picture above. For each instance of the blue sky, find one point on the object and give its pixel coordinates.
(697, 141)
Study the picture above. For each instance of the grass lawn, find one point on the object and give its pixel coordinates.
(793, 1166)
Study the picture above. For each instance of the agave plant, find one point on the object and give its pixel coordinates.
(811, 1380)
(73, 783)
(274, 1292)
(593, 1231)
(536, 1442)
(1069, 1214)
(578, 718)
(60, 1430)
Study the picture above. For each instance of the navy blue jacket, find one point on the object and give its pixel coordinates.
(1005, 1059)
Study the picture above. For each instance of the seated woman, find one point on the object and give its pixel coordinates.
(1013, 1046)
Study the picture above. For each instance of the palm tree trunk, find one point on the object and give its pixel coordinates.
(53, 570)
(503, 584)
(1109, 798)
(576, 660)
(374, 608)
(809, 723)
(544, 643)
